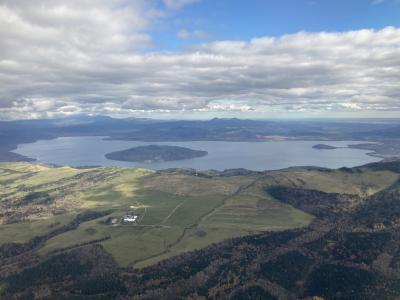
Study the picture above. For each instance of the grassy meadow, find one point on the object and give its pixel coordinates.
(176, 212)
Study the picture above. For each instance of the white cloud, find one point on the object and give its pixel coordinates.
(66, 57)
(177, 4)
(194, 34)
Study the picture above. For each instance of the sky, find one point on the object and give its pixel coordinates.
(199, 59)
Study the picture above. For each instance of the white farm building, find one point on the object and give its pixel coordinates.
(130, 218)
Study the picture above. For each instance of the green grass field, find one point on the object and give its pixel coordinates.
(177, 212)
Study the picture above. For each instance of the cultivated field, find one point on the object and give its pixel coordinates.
(176, 211)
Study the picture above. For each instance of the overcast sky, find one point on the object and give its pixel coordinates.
(199, 59)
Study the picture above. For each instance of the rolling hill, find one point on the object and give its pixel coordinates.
(272, 235)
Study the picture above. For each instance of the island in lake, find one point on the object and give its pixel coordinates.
(324, 147)
(155, 153)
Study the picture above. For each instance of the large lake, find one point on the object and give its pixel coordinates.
(88, 151)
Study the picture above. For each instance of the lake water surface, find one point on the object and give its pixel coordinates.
(88, 151)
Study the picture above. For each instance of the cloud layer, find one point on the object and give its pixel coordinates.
(80, 56)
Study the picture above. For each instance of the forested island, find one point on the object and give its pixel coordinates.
(324, 147)
(155, 153)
